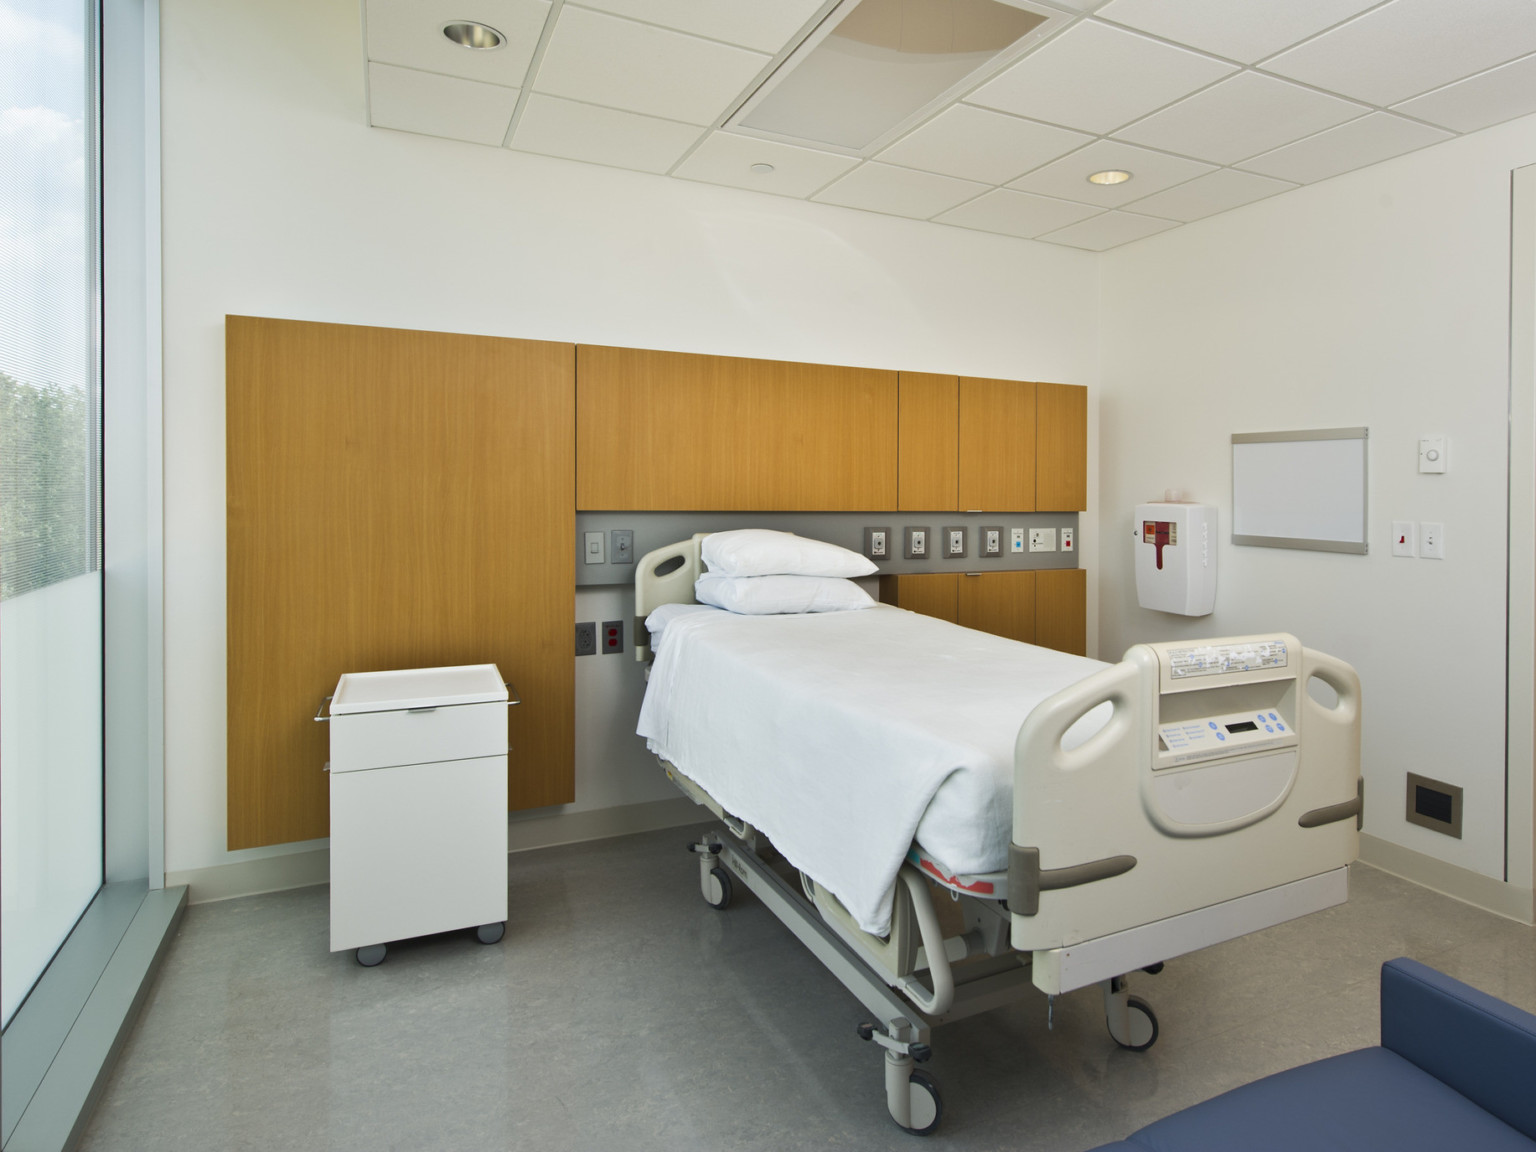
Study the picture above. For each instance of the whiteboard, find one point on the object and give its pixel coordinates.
(1302, 489)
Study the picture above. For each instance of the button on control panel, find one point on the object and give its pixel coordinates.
(1185, 740)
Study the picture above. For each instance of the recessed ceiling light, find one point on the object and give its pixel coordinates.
(1113, 176)
(468, 34)
(762, 169)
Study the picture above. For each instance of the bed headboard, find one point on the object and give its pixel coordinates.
(664, 576)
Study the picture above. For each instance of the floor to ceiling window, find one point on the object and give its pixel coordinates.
(50, 484)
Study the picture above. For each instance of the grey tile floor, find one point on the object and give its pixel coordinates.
(621, 1012)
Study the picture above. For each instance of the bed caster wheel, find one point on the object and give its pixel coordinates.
(371, 955)
(718, 889)
(491, 933)
(1153, 969)
(1143, 1025)
(927, 1103)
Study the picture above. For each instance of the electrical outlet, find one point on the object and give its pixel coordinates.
(954, 543)
(1016, 544)
(586, 639)
(595, 551)
(877, 543)
(613, 636)
(1042, 539)
(622, 546)
(1066, 540)
(917, 544)
(1405, 538)
(991, 541)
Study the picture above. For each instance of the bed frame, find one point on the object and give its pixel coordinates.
(1148, 841)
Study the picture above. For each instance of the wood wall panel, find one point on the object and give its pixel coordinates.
(928, 437)
(670, 431)
(1061, 610)
(1061, 461)
(931, 594)
(1002, 603)
(396, 499)
(997, 445)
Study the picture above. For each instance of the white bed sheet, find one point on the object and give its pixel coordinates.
(846, 735)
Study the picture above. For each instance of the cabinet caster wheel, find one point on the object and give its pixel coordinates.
(371, 955)
(491, 933)
(927, 1103)
(718, 889)
(1143, 1026)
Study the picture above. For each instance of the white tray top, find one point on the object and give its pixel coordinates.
(417, 688)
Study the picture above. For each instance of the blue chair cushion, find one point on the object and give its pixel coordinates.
(1370, 1099)
(1479, 1045)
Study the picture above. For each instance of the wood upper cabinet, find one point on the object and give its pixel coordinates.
(996, 445)
(672, 431)
(982, 445)
(1061, 448)
(928, 445)
(396, 499)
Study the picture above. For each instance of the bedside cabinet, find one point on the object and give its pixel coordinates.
(418, 806)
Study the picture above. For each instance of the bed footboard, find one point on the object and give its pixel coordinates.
(1219, 797)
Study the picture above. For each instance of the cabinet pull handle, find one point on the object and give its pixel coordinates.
(431, 709)
(320, 718)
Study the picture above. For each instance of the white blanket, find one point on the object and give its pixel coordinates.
(846, 735)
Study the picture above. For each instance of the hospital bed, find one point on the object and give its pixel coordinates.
(1190, 794)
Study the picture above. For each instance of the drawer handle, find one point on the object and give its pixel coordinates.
(431, 709)
(320, 717)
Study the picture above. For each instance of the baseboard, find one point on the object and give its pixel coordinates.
(313, 866)
(1461, 883)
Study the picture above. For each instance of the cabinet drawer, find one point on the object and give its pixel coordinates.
(384, 739)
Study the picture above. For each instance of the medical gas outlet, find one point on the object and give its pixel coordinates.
(1176, 557)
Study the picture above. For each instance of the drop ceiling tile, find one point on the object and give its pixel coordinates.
(1369, 140)
(410, 33)
(898, 191)
(1241, 117)
(603, 59)
(1097, 78)
(1241, 31)
(1411, 46)
(1016, 213)
(750, 23)
(1108, 230)
(1207, 195)
(1489, 98)
(726, 158)
(1067, 178)
(434, 105)
(610, 136)
(977, 144)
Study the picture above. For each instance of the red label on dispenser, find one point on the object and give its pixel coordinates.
(1159, 533)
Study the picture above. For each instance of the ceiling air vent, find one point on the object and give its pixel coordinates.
(873, 68)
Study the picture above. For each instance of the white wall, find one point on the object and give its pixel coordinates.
(1378, 298)
(278, 201)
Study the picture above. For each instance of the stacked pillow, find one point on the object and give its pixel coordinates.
(757, 572)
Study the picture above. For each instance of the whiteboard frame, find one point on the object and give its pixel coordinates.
(1352, 547)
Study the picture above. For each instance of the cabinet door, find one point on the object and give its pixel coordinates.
(934, 594)
(1002, 603)
(996, 445)
(1061, 446)
(1061, 610)
(927, 442)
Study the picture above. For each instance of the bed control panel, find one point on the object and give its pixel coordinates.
(1227, 735)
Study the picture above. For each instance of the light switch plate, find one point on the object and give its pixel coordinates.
(1405, 538)
(1433, 537)
(1066, 540)
(1017, 543)
(622, 545)
(595, 551)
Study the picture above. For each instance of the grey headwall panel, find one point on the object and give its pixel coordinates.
(654, 529)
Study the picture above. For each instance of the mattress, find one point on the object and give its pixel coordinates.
(845, 736)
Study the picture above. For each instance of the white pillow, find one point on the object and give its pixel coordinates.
(775, 595)
(762, 552)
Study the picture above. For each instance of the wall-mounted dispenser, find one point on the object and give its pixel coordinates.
(1176, 557)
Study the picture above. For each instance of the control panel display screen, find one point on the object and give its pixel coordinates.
(1243, 726)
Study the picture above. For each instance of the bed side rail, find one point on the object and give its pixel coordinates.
(664, 576)
(1136, 826)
